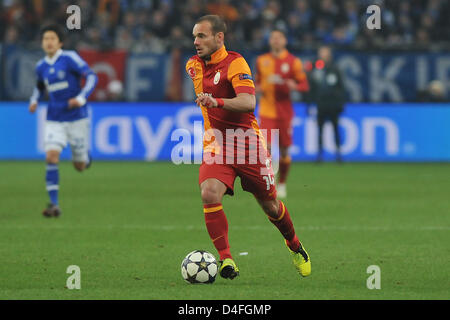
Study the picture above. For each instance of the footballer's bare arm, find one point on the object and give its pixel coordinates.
(243, 102)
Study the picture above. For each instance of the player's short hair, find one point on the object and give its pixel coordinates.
(282, 31)
(56, 29)
(217, 23)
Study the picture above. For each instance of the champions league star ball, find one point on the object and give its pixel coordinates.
(199, 267)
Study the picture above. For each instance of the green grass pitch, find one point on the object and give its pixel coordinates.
(128, 226)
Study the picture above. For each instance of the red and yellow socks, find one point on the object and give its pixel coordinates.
(284, 224)
(217, 225)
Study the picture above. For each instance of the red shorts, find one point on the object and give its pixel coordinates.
(257, 179)
(285, 127)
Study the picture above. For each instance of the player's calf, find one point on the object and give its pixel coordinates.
(51, 180)
(270, 208)
(52, 157)
(280, 218)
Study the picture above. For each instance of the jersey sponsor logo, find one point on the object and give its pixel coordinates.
(57, 86)
(217, 77)
(244, 76)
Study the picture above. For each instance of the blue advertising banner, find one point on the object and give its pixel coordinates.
(18, 72)
(146, 77)
(158, 131)
(1, 68)
(377, 77)
(145, 74)
(369, 77)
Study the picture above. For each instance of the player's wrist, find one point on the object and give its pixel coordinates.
(220, 103)
(81, 100)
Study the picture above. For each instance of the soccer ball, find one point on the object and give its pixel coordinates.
(199, 267)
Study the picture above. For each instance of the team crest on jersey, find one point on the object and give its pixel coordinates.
(217, 77)
(285, 67)
(52, 70)
(61, 74)
(191, 72)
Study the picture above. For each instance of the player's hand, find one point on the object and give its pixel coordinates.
(206, 101)
(74, 103)
(292, 84)
(32, 107)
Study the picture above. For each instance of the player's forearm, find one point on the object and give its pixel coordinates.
(35, 96)
(244, 102)
(91, 82)
(37, 92)
(303, 86)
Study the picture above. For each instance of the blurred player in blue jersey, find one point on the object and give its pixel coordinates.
(59, 73)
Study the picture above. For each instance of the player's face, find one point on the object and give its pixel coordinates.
(277, 41)
(50, 43)
(325, 54)
(205, 42)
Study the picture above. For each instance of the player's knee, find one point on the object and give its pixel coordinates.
(210, 195)
(52, 158)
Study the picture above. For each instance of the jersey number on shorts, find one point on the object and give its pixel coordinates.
(270, 180)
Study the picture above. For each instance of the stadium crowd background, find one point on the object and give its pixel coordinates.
(159, 25)
(163, 27)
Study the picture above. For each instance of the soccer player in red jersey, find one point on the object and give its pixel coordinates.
(277, 73)
(226, 94)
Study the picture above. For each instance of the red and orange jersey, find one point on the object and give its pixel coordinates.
(271, 75)
(225, 76)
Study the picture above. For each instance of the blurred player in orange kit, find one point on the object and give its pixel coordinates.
(225, 92)
(277, 73)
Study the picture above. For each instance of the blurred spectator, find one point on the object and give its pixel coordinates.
(148, 43)
(91, 41)
(435, 92)
(124, 39)
(109, 8)
(223, 8)
(423, 40)
(159, 24)
(308, 23)
(11, 36)
(328, 11)
(178, 39)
